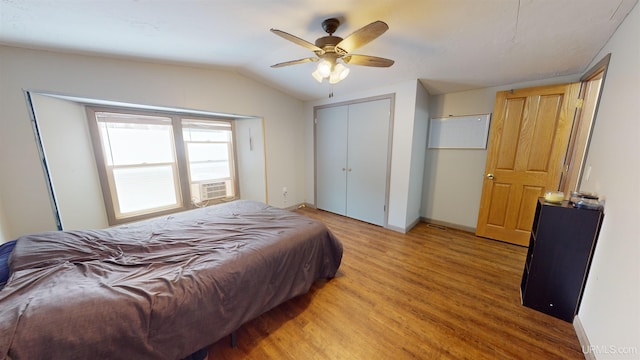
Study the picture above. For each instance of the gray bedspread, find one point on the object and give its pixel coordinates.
(161, 288)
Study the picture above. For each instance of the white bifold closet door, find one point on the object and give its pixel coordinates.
(352, 147)
(331, 159)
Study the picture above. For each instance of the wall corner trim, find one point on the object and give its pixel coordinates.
(396, 228)
(584, 340)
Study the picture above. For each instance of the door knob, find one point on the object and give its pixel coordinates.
(343, 169)
(490, 176)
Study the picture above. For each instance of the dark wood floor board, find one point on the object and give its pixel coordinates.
(433, 293)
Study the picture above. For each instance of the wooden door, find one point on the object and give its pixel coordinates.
(527, 144)
(331, 159)
(367, 158)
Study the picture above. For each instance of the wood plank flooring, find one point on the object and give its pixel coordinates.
(434, 293)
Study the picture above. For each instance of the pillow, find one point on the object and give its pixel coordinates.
(5, 252)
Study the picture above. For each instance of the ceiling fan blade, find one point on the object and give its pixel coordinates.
(295, 62)
(366, 60)
(361, 37)
(298, 41)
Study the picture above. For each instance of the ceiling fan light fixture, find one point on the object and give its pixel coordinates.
(324, 68)
(316, 75)
(338, 74)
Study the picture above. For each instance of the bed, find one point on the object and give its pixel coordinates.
(160, 288)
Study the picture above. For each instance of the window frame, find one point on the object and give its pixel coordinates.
(181, 176)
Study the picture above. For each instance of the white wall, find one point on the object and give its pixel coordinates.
(403, 119)
(610, 309)
(453, 177)
(418, 153)
(22, 184)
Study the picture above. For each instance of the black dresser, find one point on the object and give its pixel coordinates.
(563, 239)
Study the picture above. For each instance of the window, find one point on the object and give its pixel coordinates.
(209, 150)
(152, 164)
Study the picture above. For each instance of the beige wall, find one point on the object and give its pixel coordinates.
(64, 133)
(610, 309)
(22, 184)
(4, 229)
(251, 159)
(66, 140)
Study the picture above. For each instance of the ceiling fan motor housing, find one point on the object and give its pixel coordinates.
(330, 25)
(328, 43)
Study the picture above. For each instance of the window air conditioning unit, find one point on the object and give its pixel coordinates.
(212, 190)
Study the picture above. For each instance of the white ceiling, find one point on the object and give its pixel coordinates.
(449, 45)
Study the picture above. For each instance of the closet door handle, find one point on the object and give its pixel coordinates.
(343, 169)
(349, 169)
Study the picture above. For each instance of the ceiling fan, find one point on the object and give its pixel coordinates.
(330, 49)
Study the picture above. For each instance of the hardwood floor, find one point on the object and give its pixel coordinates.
(434, 293)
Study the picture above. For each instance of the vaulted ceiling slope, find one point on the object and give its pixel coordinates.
(449, 45)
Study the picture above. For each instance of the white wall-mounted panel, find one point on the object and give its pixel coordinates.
(459, 132)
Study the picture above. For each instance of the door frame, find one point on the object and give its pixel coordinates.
(392, 105)
(581, 136)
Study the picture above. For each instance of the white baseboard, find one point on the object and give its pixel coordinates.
(582, 337)
(396, 229)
